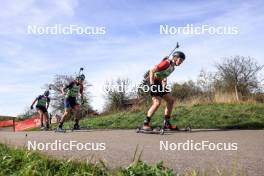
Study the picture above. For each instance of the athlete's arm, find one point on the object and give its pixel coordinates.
(151, 75)
(34, 102)
(161, 66)
(81, 91)
(31, 107)
(164, 82)
(48, 102)
(65, 87)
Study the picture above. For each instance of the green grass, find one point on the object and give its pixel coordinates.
(18, 162)
(224, 116)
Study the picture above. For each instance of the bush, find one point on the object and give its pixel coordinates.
(185, 91)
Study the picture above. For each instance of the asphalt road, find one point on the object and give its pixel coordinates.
(120, 146)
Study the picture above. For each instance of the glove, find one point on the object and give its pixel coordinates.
(31, 107)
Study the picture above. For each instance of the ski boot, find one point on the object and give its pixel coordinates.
(46, 128)
(146, 126)
(42, 127)
(76, 126)
(168, 126)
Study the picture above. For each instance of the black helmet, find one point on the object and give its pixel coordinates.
(46, 93)
(81, 77)
(179, 54)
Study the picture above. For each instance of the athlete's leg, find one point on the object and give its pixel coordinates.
(68, 105)
(41, 117)
(77, 111)
(45, 119)
(167, 113)
(77, 115)
(169, 104)
(66, 113)
(155, 105)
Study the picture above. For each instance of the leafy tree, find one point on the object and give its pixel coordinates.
(206, 82)
(238, 74)
(117, 94)
(185, 91)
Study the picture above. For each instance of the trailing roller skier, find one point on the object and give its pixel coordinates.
(42, 106)
(71, 93)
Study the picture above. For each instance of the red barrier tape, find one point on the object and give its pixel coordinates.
(6, 123)
(27, 124)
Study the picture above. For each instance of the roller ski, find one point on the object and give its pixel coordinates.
(76, 127)
(60, 129)
(168, 127)
(146, 128)
(157, 130)
(45, 127)
(186, 129)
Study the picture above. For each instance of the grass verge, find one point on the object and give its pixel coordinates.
(27, 163)
(223, 116)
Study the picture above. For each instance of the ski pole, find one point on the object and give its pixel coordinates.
(80, 71)
(177, 46)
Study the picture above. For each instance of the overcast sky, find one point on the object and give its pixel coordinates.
(131, 45)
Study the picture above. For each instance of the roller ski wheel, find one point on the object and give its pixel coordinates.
(76, 127)
(47, 129)
(171, 130)
(161, 131)
(188, 129)
(60, 130)
(138, 130)
(151, 131)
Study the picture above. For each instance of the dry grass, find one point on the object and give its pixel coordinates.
(217, 98)
(225, 98)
